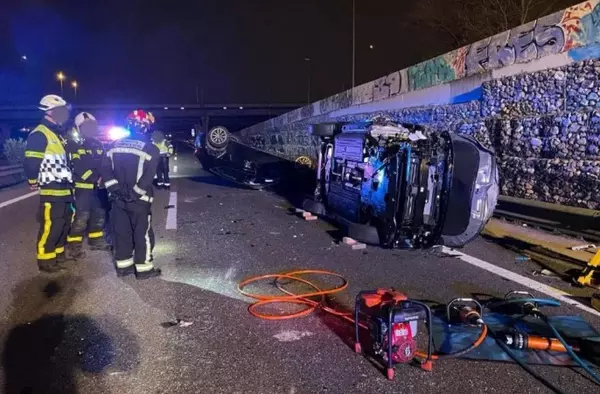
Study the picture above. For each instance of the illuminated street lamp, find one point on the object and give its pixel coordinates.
(75, 85)
(61, 78)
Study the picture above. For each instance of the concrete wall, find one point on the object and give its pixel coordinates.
(531, 93)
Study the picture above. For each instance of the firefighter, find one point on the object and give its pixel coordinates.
(128, 170)
(166, 150)
(86, 159)
(47, 169)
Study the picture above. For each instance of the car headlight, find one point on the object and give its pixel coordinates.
(484, 173)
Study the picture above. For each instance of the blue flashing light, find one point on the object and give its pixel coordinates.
(117, 133)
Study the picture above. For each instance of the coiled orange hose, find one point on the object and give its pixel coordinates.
(305, 299)
(302, 299)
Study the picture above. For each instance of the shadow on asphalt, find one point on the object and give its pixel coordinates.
(217, 181)
(45, 347)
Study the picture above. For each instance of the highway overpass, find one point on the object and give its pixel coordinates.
(170, 116)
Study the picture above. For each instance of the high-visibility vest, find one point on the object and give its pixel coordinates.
(55, 165)
(165, 148)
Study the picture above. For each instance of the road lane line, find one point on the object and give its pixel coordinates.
(17, 199)
(172, 212)
(522, 280)
(175, 169)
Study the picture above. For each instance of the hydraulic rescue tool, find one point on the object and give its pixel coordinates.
(524, 304)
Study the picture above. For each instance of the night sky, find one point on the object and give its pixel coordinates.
(157, 51)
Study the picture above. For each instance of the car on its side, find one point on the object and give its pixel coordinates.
(402, 185)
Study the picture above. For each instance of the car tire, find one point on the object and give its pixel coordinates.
(324, 129)
(218, 137)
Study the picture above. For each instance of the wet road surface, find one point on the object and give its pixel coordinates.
(91, 332)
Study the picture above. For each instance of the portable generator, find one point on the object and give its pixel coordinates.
(392, 320)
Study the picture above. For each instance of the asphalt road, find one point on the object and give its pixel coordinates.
(91, 332)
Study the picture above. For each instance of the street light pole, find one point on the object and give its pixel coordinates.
(61, 78)
(353, 43)
(75, 85)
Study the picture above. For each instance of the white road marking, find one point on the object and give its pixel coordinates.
(174, 168)
(17, 199)
(172, 212)
(175, 158)
(560, 295)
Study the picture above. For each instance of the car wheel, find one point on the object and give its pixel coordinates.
(218, 137)
(325, 129)
(303, 162)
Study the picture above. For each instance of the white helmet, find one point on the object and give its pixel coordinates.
(51, 101)
(82, 117)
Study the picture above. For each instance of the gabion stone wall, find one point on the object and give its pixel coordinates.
(544, 128)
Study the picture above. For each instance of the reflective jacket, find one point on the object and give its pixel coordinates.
(165, 148)
(128, 169)
(86, 160)
(47, 165)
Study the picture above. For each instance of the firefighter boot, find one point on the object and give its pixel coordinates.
(122, 272)
(51, 267)
(75, 251)
(153, 273)
(99, 244)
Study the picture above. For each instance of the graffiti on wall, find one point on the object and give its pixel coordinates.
(533, 40)
(574, 29)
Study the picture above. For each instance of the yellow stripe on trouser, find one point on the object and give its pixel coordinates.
(74, 239)
(60, 250)
(80, 185)
(97, 234)
(42, 253)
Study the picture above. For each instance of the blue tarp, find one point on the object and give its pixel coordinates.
(450, 339)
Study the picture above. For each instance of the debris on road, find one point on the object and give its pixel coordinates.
(547, 273)
(169, 206)
(178, 323)
(584, 247)
(292, 335)
(305, 214)
(354, 244)
(522, 259)
(348, 241)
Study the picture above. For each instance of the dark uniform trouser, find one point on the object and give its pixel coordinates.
(55, 219)
(132, 235)
(89, 215)
(162, 171)
(105, 204)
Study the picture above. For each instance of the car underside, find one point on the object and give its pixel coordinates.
(396, 185)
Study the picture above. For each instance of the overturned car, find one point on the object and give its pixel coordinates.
(403, 186)
(220, 153)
